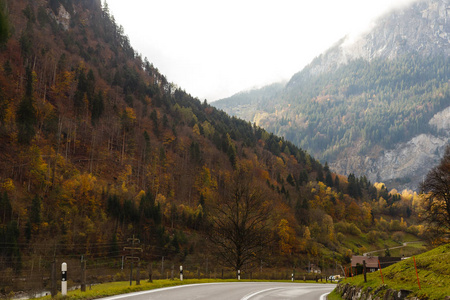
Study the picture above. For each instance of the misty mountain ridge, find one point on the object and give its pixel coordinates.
(420, 29)
(366, 104)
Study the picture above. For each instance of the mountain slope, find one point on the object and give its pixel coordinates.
(97, 146)
(370, 95)
(247, 104)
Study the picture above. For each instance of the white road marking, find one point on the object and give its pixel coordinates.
(259, 292)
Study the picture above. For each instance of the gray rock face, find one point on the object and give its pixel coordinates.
(441, 121)
(349, 292)
(423, 28)
(62, 18)
(408, 162)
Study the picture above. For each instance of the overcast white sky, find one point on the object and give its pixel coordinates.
(215, 48)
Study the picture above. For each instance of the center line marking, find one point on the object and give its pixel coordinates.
(259, 292)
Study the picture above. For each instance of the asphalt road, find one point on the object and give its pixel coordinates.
(234, 291)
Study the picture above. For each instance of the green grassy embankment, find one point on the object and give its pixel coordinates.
(433, 270)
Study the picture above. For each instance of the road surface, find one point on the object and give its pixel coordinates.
(403, 245)
(234, 291)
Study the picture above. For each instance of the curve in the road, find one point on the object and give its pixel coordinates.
(234, 290)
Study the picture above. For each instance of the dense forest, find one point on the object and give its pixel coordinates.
(381, 102)
(376, 104)
(96, 146)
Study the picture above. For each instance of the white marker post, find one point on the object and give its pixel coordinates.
(181, 273)
(239, 274)
(64, 279)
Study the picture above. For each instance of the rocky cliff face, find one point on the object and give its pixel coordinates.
(423, 28)
(403, 167)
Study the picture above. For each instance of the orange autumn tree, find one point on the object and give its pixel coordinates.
(288, 240)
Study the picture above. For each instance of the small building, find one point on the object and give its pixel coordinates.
(372, 262)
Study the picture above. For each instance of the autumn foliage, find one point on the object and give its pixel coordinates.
(96, 146)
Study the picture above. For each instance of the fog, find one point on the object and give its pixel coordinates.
(213, 49)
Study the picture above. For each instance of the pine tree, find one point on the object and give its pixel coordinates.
(5, 208)
(4, 23)
(26, 114)
(97, 107)
(114, 246)
(336, 183)
(35, 211)
(9, 247)
(329, 179)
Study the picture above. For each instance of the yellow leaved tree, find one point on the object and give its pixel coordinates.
(288, 241)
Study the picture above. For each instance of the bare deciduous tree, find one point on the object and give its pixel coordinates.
(436, 189)
(240, 230)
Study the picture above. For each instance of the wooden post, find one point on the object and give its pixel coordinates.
(83, 275)
(138, 274)
(150, 272)
(131, 273)
(54, 290)
(417, 274)
(364, 270)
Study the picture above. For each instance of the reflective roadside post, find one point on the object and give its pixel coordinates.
(181, 273)
(64, 279)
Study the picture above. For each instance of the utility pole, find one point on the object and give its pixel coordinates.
(132, 256)
(83, 274)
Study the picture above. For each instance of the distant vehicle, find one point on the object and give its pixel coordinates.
(334, 278)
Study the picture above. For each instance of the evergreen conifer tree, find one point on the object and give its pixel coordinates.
(4, 22)
(26, 113)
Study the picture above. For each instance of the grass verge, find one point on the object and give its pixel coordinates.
(433, 270)
(334, 296)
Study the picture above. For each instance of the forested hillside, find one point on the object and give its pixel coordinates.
(361, 99)
(96, 146)
(379, 102)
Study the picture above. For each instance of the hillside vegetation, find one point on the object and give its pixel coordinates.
(376, 104)
(379, 102)
(96, 146)
(359, 103)
(433, 271)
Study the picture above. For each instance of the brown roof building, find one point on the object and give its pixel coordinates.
(372, 262)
